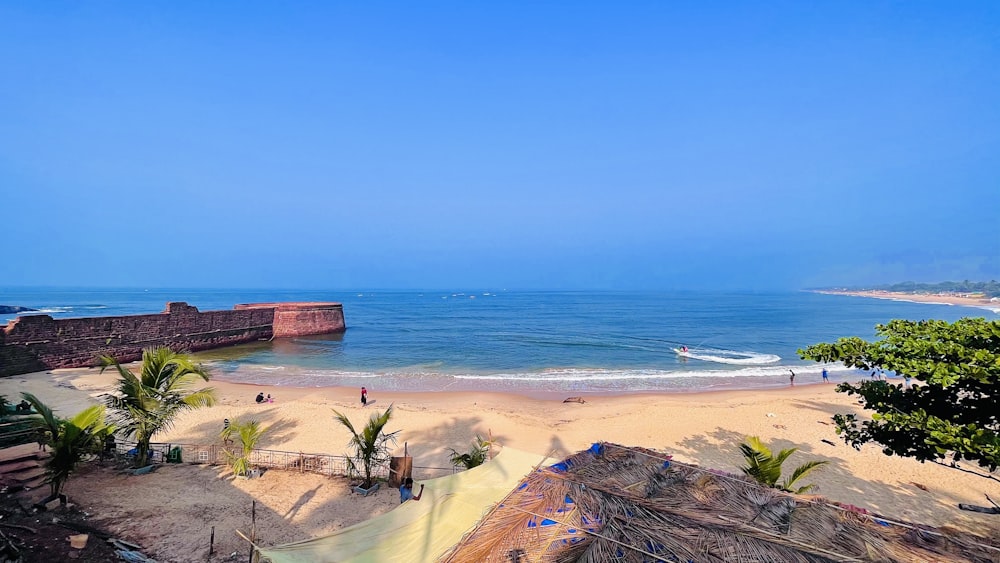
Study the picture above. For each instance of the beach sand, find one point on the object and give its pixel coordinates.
(182, 503)
(932, 298)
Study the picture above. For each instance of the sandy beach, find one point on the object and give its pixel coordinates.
(934, 298)
(702, 428)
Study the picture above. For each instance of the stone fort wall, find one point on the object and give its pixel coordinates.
(39, 342)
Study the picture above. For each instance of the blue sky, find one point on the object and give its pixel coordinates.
(549, 145)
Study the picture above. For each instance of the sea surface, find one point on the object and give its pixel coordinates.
(526, 342)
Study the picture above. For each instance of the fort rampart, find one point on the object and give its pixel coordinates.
(39, 342)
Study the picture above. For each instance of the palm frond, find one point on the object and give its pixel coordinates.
(371, 445)
(800, 472)
(148, 402)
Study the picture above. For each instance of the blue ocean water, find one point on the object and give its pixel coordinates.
(526, 341)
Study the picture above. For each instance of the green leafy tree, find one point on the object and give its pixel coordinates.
(248, 434)
(765, 467)
(953, 410)
(68, 439)
(148, 402)
(372, 445)
(476, 455)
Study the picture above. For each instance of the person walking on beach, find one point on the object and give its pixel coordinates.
(406, 491)
(364, 397)
(791, 378)
(826, 376)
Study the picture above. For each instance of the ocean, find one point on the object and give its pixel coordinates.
(526, 342)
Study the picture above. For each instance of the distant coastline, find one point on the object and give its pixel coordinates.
(939, 298)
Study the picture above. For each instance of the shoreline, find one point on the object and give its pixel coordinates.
(930, 299)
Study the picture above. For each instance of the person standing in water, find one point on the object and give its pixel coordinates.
(791, 378)
(826, 376)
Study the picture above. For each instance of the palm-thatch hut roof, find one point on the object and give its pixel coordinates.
(613, 503)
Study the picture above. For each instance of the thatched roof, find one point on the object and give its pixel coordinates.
(618, 504)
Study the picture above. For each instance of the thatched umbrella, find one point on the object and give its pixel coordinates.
(613, 503)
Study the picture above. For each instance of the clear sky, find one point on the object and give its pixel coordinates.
(547, 145)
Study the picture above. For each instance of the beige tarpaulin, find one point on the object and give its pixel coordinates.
(418, 531)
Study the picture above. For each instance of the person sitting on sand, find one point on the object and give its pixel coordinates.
(406, 491)
(260, 398)
(270, 399)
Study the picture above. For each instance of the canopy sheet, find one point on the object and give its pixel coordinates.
(418, 531)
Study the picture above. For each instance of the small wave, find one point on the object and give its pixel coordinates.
(45, 310)
(581, 374)
(272, 368)
(732, 357)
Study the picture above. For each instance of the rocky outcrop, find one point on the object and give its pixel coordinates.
(9, 309)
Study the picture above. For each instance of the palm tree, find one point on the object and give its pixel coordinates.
(249, 433)
(371, 445)
(69, 439)
(476, 455)
(147, 403)
(765, 468)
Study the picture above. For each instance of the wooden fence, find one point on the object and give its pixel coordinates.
(214, 454)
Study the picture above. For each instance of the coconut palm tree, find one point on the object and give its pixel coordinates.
(68, 439)
(249, 434)
(147, 403)
(371, 445)
(765, 467)
(476, 455)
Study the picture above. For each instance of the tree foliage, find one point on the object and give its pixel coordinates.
(988, 288)
(476, 456)
(953, 408)
(148, 402)
(68, 439)
(248, 434)
(372, 445)
(765, 467)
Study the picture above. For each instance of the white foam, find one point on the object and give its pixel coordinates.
(50, 310)
(585, 374)
(732, 357)
(421, 377)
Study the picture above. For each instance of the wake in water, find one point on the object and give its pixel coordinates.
(731, 357)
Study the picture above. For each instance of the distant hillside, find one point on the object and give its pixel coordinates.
(988, 289)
